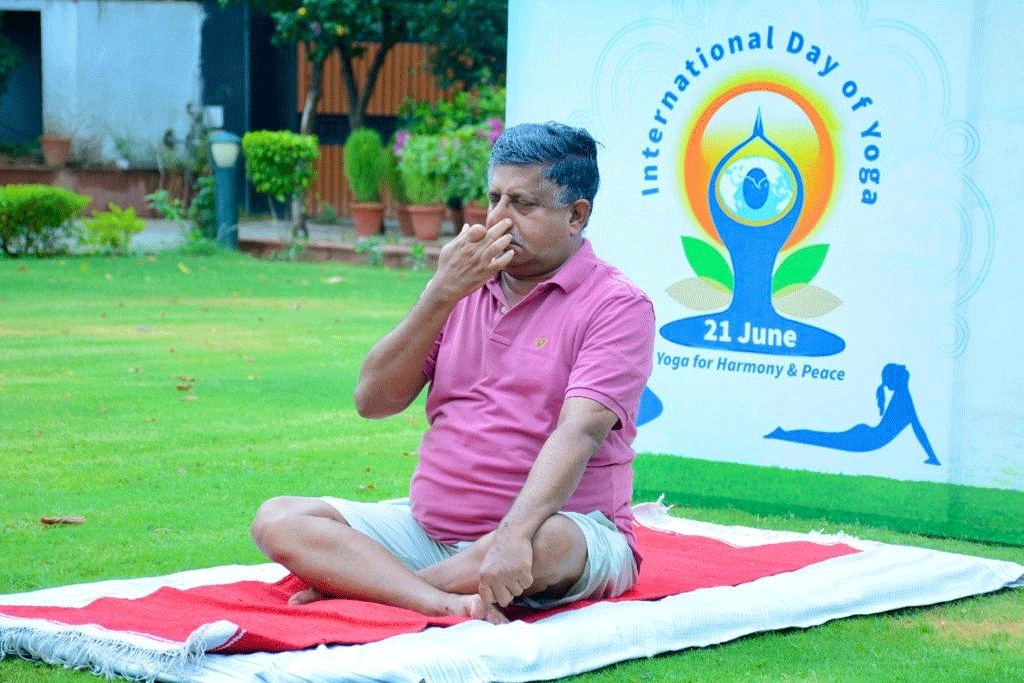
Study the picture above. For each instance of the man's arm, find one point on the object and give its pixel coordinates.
(582, 427)
(392, 373)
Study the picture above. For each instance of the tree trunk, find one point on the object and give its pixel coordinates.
(348, 77)
(316, 77)
(313, 92)
(359, 97)
(299, 227)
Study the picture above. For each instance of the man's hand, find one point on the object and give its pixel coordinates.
(472, 258)
(505, 572)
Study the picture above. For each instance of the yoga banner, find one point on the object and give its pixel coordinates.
(823, 201)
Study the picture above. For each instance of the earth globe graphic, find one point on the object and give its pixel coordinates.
(756, 189)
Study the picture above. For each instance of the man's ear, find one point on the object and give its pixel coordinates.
(579, 214)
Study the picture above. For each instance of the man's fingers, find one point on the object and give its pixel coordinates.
(499, 228)
(502, 591)
(503, 596)
(521, 583)
(495, 595)
(501, 261)
(473, 233)
(498, 246)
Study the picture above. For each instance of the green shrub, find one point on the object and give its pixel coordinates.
(112, 229)
(278, 162)
(469, 179)
(203, 208)
(365, 164)
(328, 214)
(372, 247)
(198, 244)
(449, 114)
(425, 162)
(169, 207)
(36, 219)
(393, 178)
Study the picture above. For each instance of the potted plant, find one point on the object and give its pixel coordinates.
(474, 155)
(365, 166)
(396, 186)
(56, 149)
(58, 130)
(423, 167)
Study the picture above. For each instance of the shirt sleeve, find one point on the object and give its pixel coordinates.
(616, 356)
(430, 362)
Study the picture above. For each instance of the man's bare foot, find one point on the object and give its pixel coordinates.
(474, 607)
(471, 606)
(304, 597)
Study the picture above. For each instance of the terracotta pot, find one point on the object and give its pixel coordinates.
(473, 214)
(426, 220)
(367, 217)
(56, 149)
(404, 219)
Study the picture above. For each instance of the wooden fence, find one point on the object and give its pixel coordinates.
(405, 73)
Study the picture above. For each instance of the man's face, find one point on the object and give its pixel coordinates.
(544, 233)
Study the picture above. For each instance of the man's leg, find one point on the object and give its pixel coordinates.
(559, 558)
(314, 541)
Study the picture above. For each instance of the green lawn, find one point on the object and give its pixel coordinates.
(163, 398)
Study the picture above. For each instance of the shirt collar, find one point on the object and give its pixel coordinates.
(576, 269)
(570, 276)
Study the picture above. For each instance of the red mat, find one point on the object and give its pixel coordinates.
(265, 621)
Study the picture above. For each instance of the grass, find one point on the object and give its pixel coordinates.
(164, 397)
(936, 509)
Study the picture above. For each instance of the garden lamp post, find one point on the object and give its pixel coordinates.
(224, 148)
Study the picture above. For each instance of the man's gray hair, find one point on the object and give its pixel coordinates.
(568, 155)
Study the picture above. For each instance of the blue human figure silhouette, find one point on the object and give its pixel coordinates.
(754, 231)
(896, 416)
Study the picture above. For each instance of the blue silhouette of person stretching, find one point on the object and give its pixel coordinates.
(860, 438)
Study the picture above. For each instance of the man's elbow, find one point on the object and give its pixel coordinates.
(375, 405)
(367, 405)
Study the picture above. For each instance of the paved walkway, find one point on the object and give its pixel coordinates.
(337, 241)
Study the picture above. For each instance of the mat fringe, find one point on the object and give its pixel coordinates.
(105, 657)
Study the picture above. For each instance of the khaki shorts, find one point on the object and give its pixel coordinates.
(610, 570)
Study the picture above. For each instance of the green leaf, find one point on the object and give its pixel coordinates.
(707, 262)
(805, 301)
(700, 294)
(800, 267)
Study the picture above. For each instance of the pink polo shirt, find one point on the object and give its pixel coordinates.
(498, 377)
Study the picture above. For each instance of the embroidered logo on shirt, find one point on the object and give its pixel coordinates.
(540, 342)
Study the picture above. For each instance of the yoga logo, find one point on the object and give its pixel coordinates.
(758, 170)
(650, 407)
(897, 415)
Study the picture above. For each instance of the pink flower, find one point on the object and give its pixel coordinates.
(401, 137)
(497, 126)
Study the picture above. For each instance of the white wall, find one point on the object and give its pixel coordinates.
(117, 71)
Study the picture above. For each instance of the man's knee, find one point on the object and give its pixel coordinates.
(277, 521)
(266, 524)
(559, 553)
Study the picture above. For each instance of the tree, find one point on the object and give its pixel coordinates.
(467, 41)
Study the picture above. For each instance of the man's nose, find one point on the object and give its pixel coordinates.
(495, 212)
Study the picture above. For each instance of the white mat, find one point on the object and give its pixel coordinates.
(880, 578)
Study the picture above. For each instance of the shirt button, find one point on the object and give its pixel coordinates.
(504, 309)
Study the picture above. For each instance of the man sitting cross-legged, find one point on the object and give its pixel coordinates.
(535, 353)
